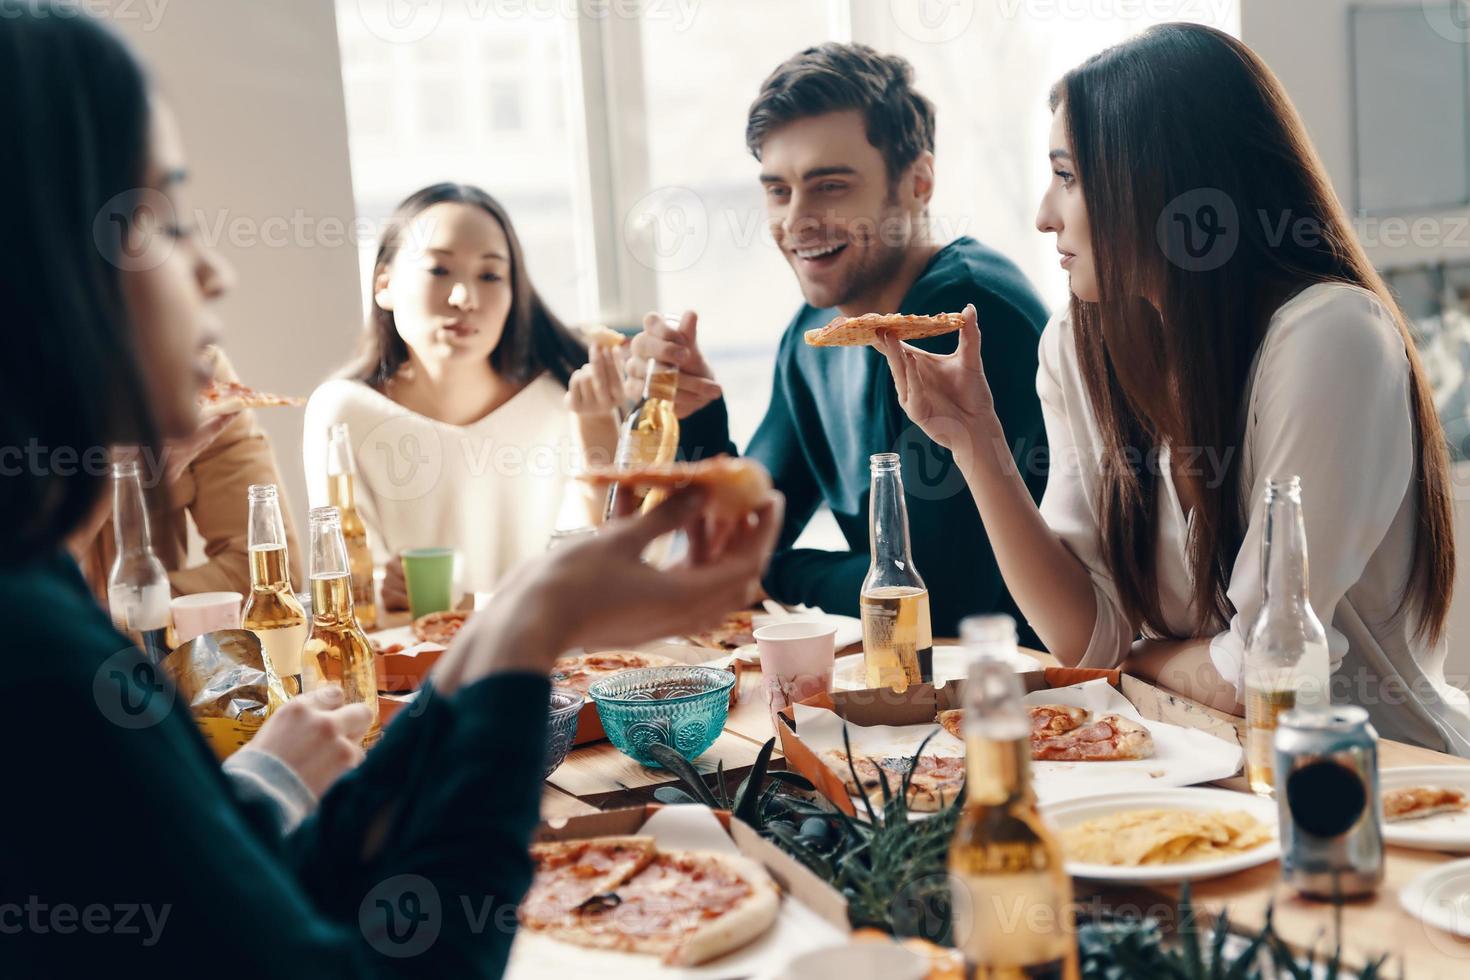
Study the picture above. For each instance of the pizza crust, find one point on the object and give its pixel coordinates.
(860, 331)
(1111, 738)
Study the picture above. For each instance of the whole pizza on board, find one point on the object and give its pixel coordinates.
(624, 894)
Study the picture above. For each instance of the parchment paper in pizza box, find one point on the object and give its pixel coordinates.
(1182, 756)
(691, 828)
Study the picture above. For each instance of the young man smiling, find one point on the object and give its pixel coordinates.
(847, 161)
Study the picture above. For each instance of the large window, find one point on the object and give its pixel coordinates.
(470, 92)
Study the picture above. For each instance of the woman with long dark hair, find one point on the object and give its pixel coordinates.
(469, 405)
(128, 852)
(1225, 327)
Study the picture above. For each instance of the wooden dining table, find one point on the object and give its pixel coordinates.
(597, 776)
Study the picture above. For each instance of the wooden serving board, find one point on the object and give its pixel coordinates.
(603, 777)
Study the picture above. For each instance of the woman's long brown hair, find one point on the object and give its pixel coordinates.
(534, 339)
(1166, 352)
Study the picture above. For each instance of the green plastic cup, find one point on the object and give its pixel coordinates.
(429, 575)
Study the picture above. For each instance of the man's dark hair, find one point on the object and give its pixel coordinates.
(837, 77)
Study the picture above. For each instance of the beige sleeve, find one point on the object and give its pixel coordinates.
(241, 456)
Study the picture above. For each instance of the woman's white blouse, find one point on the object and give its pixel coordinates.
(493, 490)
(1328, 401)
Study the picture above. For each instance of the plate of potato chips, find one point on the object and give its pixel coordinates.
(1166, 835)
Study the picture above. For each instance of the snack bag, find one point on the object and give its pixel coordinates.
(228, 683)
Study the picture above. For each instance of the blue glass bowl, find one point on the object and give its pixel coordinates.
(684, 707)
(561, 726)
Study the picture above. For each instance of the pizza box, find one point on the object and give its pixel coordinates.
(813, 914)
(915, 706)
(589, 723)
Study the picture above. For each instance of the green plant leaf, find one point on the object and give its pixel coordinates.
(670, 759)
(793, 779)
(747, 796)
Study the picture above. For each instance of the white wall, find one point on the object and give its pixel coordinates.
(1306, 42)
(257, 88)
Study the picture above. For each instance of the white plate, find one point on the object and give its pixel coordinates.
(951, 663)
(1069, 813)
(1441, 832)
(1441, 897)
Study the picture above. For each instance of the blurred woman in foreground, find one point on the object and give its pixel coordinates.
(129, 849)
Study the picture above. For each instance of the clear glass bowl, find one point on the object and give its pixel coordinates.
(684, 707)
(561, 726)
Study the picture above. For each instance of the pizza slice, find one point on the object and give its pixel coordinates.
(569, 874)
(440, 627)
(735, 631)
(860, 331)
(1416, 802)
(223, 397)
(578, 671)
(736, 485)
(598, 335)
(933, 780)
(1111, 738)
(1046, 719)
(686, 907)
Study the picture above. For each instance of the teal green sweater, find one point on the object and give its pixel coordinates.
(832, 408)
(126, 854)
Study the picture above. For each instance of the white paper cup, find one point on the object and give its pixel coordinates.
(205, 612)
(796, 661)
(857, 961)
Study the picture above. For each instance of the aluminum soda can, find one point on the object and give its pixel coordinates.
(1328, 801)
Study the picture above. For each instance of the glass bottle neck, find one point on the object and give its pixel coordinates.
(662, 381)
(1284, 554)
(998, 772)
(129, 513)
(889, 520)
(328, 550)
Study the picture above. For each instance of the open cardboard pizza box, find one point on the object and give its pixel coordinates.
(813, 914)
(589, 723)
(1189, 747)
